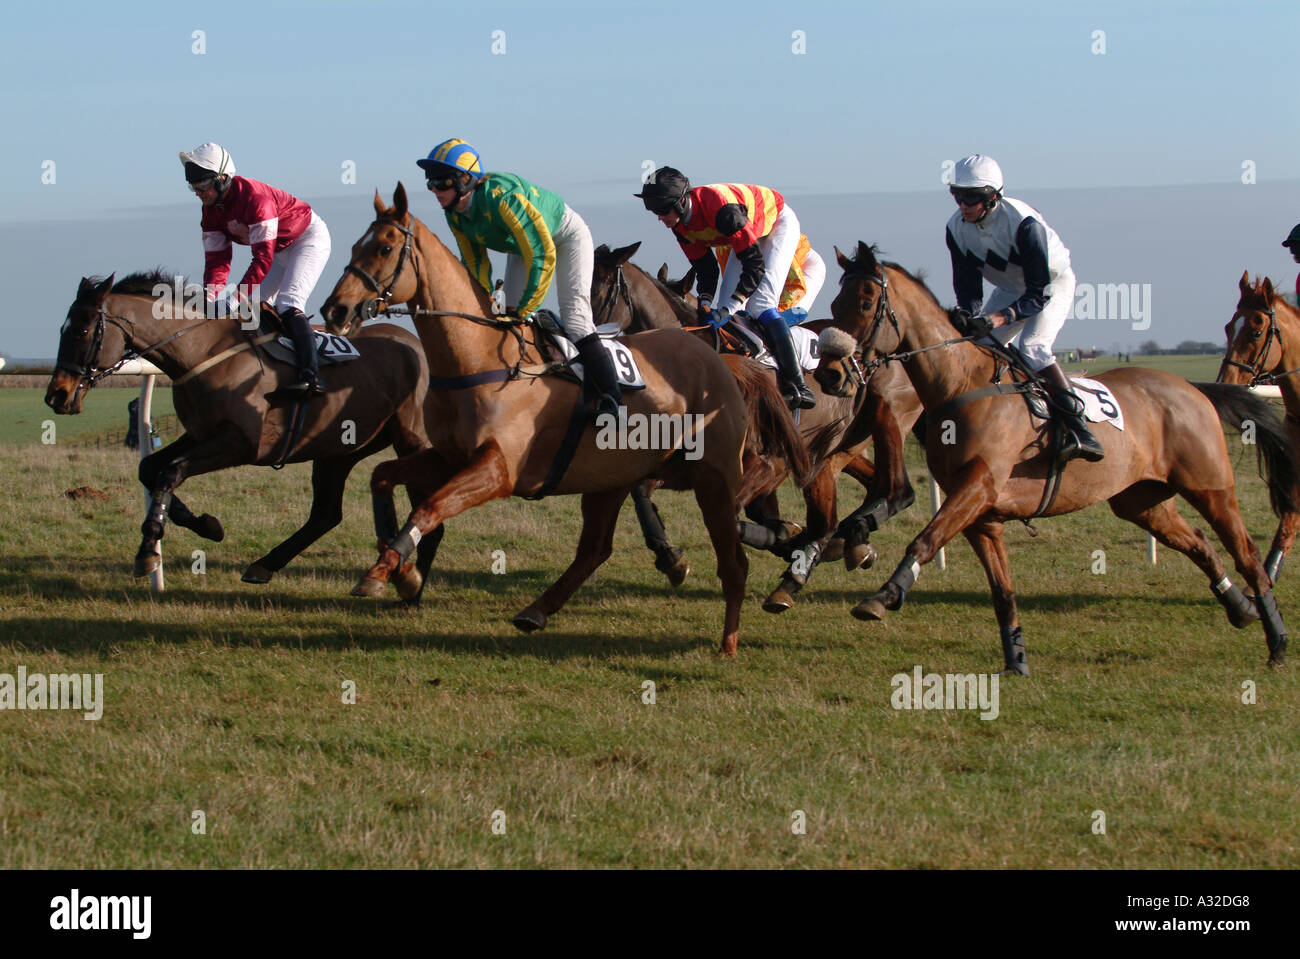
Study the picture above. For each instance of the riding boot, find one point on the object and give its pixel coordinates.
(781, 343)
(304, 345)
(1078, 439)
(602, 382)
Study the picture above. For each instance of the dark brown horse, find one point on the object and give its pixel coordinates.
(1264, 348)
(219, 387)
(990, 456)
(496, 423)
(835, 432)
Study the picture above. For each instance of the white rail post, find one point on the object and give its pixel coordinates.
(936, 500)
(144, 431)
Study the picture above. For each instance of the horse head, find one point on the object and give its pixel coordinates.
(1254, 342)
(380, 272)
(857, 325)
(84, 337)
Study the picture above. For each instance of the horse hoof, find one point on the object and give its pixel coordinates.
(729, 646)
(408, 582)
(870, 610)
(530, 619)
(369, 586)
(146, 563)
(257, 574)
(1015, 669)
(209, 527)
(834, 550)
(778, 602)
(861, 556)
(674, 565)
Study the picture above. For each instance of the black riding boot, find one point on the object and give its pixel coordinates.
(1078, 441)
(600, 374)
(304, 344)
(781, 343)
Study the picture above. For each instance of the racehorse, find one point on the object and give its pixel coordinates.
(496, 422)
(1264, 348)
(835, 432)
(219, 382)
(993, 460)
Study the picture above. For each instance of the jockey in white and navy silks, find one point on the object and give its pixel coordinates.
(1008, 243)
(290, 244)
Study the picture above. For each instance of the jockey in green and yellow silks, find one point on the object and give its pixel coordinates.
(544, 240)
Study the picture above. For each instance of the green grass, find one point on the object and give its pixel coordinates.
(1197, 368)
(24, 416)
(228, 698)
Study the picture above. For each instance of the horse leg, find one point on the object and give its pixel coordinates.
(819, 496)
(207, 525)
(1283, 540)
(863, 470)
(329, 477)
(669, 560)
(973, 495)
(487, 477)
(1220, 509)
(985, 538)
(163, 472)
(595, 545)
(718, 506)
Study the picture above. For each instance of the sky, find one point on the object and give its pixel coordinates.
(1159, 139)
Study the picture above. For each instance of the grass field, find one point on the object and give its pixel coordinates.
(230, 699)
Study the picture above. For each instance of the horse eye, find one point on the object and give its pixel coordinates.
(385, 250)
(1256, 334)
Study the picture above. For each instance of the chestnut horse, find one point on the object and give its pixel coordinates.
(219, 387)
(993, 460)
(496, 423)
(835, 432)
(1264, 348)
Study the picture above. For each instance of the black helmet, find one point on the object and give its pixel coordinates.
(665, 191)
(1293, 240)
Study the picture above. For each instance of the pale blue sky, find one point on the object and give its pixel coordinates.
(586, 92)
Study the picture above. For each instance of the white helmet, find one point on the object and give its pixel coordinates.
(977, 171)
(212, 157)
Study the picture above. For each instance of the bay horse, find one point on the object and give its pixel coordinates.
(496, 423)
(992, 459)
(835, 432)
(219, 387)
(1264, 348)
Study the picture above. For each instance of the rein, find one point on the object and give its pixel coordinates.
(91, 373)
(1258, 375)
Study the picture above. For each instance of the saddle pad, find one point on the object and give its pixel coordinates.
(806, 348)
(626, 370)
(330, 348)
(1099, 403)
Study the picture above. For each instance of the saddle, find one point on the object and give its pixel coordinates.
(330, 349)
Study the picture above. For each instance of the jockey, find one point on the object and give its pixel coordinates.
(802, 284)
(1009, 243)
(755, 223)
(543, 239)
(1292, 243)
(290, 245)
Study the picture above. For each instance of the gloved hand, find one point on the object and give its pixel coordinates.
(718, 317)
(971, 325)
(703, 310)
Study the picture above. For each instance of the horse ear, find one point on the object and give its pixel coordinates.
(864, 253)
(683, 286)
(842, 260)
(399, 201)
(662, 275)
(1268, 291)
(380, 208)
(85, 287)
(624, 253)
(1244, 284)
(101, 291)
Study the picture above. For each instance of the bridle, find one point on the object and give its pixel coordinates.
(1258, 375)
(369, 309)
(618, 290)
(90, 372)
(854, 372)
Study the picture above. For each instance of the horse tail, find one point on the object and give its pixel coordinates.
(769, 418)
(1277, 464)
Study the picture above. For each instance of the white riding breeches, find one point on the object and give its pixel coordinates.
(778, 249)
(296, 268)
(575, 259)
(1040, 331)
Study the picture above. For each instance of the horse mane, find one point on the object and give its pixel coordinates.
(145, 282)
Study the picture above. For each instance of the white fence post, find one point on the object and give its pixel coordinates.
(144, 431)
(936, 500)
